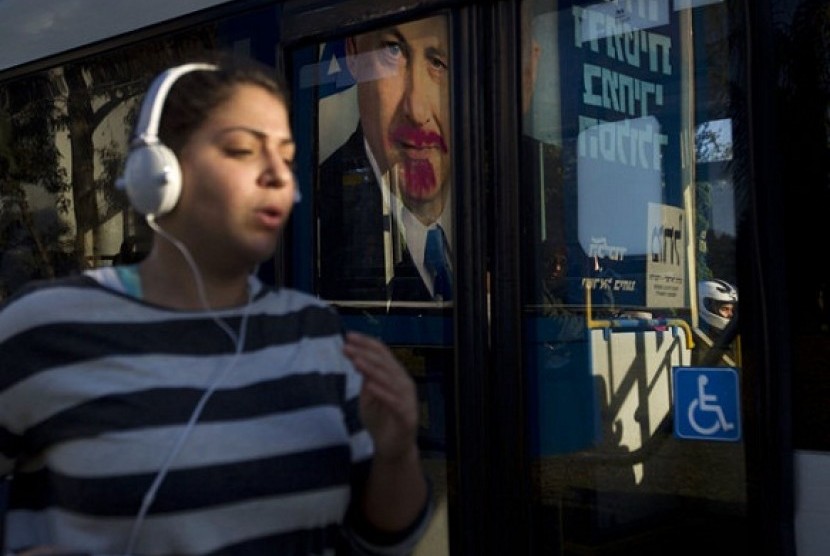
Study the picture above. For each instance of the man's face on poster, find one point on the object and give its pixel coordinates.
(404, 102)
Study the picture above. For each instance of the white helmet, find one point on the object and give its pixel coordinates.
(711, 294)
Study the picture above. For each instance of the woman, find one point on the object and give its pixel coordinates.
(179, 406)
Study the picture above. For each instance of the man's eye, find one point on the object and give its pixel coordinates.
(438, 64)
(392, 50)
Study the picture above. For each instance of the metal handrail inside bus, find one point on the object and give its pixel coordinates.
(632, 322)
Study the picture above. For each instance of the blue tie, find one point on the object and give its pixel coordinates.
(435, 261)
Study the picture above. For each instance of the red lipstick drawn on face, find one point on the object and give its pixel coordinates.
(418, 173)
(419, 177)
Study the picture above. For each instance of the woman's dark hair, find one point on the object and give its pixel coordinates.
(195, 95)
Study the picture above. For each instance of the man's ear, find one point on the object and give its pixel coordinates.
(351, 57)
(535, 52)
(530, 68)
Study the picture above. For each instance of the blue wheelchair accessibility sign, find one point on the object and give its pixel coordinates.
(706, 403)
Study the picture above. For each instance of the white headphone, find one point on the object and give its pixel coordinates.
(152, 177)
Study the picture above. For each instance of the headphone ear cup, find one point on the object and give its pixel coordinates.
(152, 179)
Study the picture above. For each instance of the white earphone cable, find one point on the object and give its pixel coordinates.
(238, 341)
(200, 287)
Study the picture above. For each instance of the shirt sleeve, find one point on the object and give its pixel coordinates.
(361, 538)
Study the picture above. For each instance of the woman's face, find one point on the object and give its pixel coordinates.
(237, 181)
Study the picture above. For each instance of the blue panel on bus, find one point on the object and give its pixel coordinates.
(563, 410)
(404, 330)
(424, 345)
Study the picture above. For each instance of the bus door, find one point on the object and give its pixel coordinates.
(628, 231)
(374, 234)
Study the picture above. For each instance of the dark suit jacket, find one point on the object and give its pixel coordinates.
(351, 223)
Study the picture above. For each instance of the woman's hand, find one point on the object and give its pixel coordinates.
(396, 490)
(388, 400)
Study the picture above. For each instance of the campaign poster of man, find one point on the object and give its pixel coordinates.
(385, 230)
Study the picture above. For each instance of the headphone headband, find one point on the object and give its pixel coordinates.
(149, 119)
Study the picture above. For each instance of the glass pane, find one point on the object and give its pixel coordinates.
(806, 122)
(63, 139)
(630, 218)
(805, 146)
(382, 207)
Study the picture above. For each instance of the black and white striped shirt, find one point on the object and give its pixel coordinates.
(97, 387)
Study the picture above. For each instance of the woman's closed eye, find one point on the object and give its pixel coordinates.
(243, 147)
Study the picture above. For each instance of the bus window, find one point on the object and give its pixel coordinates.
(627, 195)
(381, 217)
(64, 133)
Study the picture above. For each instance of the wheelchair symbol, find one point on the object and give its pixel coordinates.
(707, 403)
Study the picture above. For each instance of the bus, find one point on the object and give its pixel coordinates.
(603, 177)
